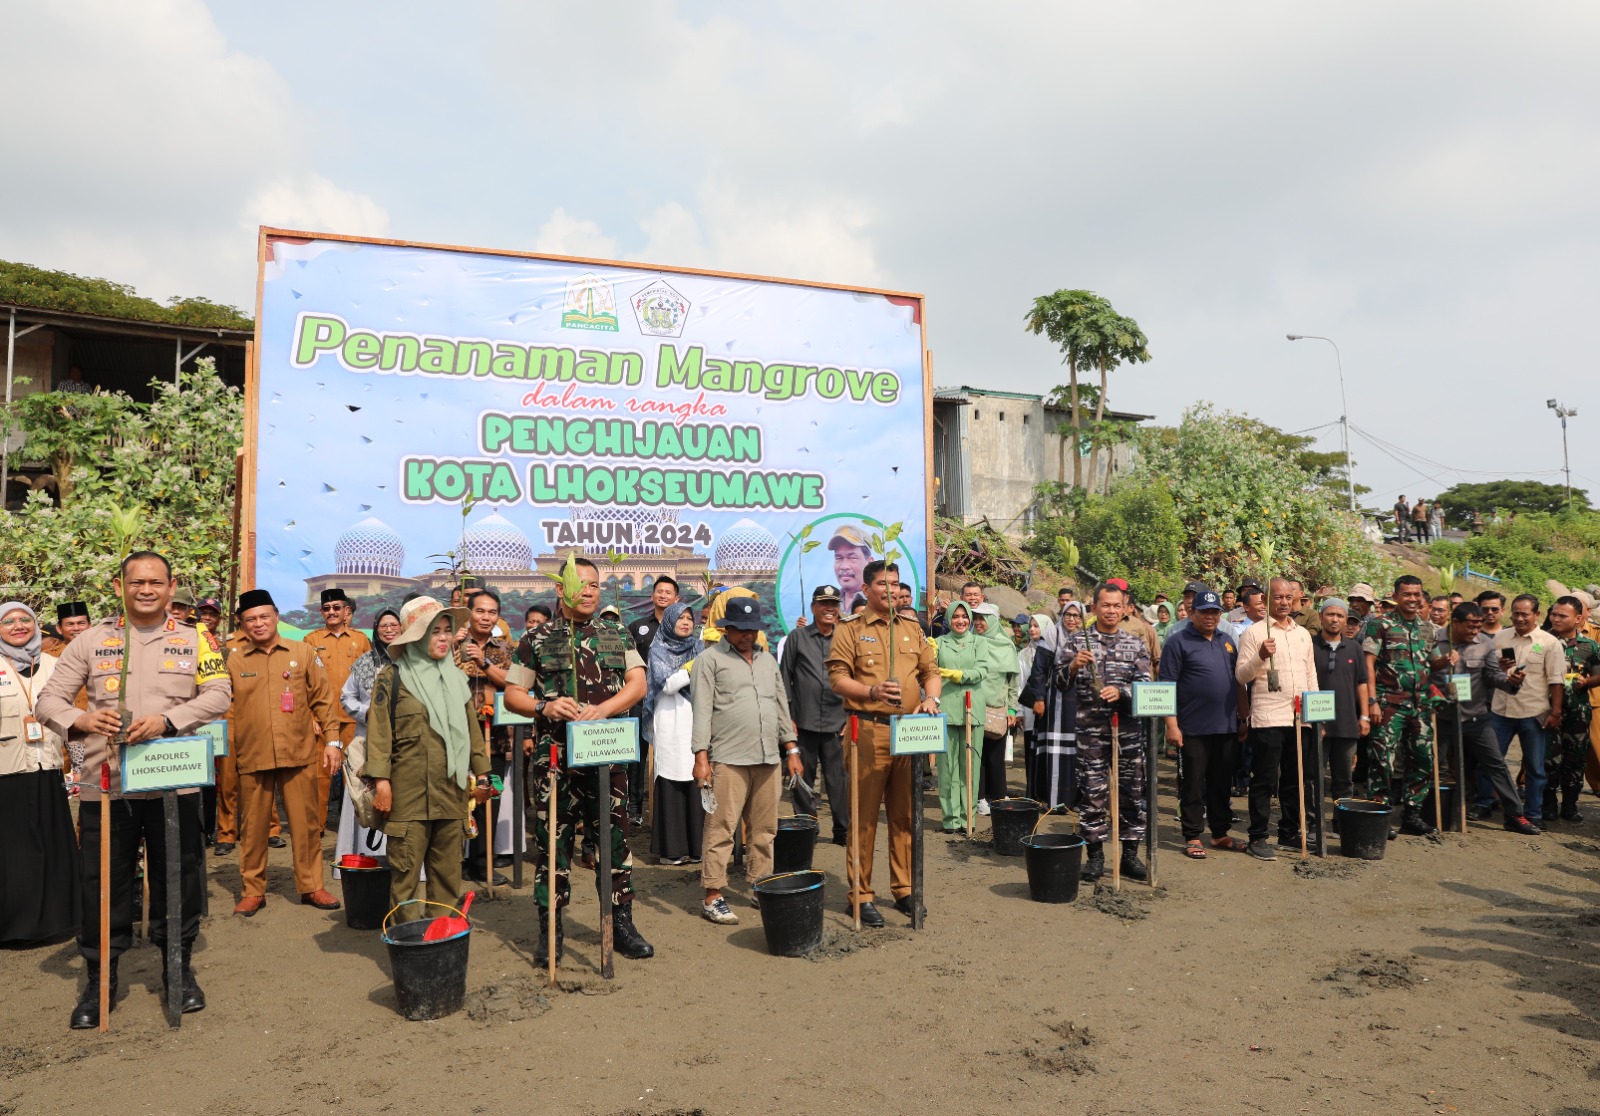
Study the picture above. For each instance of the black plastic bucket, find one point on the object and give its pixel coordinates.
(1054, 861)
(792, 849)
(1363, 828)
(1013, 819)
(366, 896)
(791, 912)
(430, 978)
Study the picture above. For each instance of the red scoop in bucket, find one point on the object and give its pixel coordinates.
(356, 860)
(448, 926)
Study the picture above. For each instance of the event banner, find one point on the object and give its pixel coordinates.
(425, 413)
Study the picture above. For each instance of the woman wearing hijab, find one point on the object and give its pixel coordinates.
(1163, 621)
(677, 825)
(999, 693)
(356, 698)
(1038, 624)
(1052, 775)
(427, 754)
(963, 664)
(39, 895)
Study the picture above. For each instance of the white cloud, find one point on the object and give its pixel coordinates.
(566, 235)
(150, 148)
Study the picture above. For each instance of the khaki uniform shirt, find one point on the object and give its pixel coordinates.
(1138, 626)
(175, 671)
(860, 650)
(338, 653)
(411, 755)
(265, 736)
(1544, 657)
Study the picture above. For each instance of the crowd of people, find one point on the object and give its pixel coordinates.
(410, 714)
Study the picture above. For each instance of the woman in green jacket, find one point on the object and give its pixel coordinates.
(425, 751)
(999, 692)
(963, 664)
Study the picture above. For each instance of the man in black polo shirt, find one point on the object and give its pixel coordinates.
(1342, 668)
(818, 712)
(1202, 660)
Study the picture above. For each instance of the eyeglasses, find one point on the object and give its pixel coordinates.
(20, 622)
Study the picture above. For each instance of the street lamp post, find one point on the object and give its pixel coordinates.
(1344, 417)
(1564, 413)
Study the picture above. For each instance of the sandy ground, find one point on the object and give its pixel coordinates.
(1457, 976)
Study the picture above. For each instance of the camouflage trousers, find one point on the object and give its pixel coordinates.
(1568, 759)
(577, 798)
(1405, 742)
(1094, 784)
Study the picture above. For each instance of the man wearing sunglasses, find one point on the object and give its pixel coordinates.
(338, 645)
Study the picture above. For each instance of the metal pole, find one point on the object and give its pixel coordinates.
(1150, 797)
(1566, 463)
(918, 764)
(174, 843)
(602, 808)
(1344, 417)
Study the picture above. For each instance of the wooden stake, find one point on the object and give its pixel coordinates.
(1112, 795)
(854, 859)
(602, 863)
(967, 725)
(105, 894)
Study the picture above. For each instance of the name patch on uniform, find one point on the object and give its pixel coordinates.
(867, 639)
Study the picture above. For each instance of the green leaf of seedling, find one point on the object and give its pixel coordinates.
(810, 545)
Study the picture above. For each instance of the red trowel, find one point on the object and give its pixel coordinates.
(448, 926)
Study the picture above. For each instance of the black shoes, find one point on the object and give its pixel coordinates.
(474, 871)
(1259, 849)
(189, 994)
(870, 916)
(842, 839)
(1414, 824)
(541, 952)
(503, 860)
(1569, 807)
(277, 843)
(1522, 825)
(1132, 866)
(222, 848)
(626, 937)
(86, 1014)
(1094, 866)
(903, 905)
(1481, 813)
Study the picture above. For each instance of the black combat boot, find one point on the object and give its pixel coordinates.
(626, 937)
(1550, 807)
(86, 1015)
(1413, 823)
(1569, 805)
(1132, 866)
(190, 998)
(1094, 866)
(541, 953)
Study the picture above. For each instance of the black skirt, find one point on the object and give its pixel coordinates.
(39, 895)
(679, 825)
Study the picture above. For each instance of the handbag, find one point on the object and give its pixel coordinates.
(359, 787)
(994, 722)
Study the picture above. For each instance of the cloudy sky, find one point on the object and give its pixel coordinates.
(1417, 181)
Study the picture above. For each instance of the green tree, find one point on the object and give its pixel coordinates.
(1519, 496)
(1110, 340)
(1235, 486)
(173, 458)
(1063, 318)
(25, 285)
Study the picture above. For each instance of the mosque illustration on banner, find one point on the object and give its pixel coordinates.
(370, 557)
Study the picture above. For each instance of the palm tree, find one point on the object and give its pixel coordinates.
(1061, 317)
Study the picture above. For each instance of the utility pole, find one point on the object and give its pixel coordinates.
(1564, 413)
(1344, 417)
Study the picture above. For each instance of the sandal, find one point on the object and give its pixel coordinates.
(1194, 850)
(1230, 843)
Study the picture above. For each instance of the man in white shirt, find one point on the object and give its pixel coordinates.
(1276, 662)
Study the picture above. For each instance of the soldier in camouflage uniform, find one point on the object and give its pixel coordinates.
(1572, 739)
(1100, 664)
(1399, 661)
(610, 681)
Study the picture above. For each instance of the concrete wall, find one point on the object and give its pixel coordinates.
(1006, 459)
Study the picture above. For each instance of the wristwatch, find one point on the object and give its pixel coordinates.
(935, 701)
(538, 707)
(172, 729)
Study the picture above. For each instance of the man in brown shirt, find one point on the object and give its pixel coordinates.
(279, 686)
(338, 645)
(175, 684)
(859, 671)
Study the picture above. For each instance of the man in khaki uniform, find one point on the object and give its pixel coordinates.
(176, 683)
(278, 688)
(338, 645)
(859, 671)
